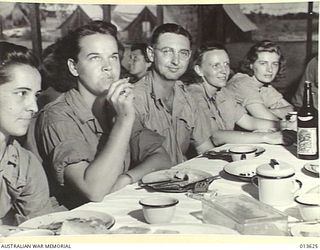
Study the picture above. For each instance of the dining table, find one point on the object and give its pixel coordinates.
(124, 205)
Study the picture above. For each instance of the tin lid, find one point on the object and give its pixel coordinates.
(275, 169)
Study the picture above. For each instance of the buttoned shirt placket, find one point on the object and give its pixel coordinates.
(211, 102)
(171, 121)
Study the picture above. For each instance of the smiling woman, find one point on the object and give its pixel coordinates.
(263, 63)
(20, 198)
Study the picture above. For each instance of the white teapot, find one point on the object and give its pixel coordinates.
(276, 183)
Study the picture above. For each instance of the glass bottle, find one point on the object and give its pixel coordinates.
(307, 137)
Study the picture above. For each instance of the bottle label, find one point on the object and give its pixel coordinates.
(307, 141)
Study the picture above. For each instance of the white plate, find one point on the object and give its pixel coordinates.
(191, 229)
(312, 167)
(178, 180)
(194, 175)
(226, 149)
(243, 169)
(306, 230)
(8, 231)
(174, 229)
(41, 221)
(32, 232)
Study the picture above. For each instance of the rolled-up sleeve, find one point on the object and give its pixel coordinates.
(272, 98)
(64, 144)
(238, 110)
(249, 92)
(34, 198)
(143, 142)
(202, 128)
(245, 89)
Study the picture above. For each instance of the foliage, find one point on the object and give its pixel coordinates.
(289, 27)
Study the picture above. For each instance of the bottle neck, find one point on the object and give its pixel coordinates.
(307, 97)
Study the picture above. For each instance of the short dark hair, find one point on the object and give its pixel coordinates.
(252, 56)
(68, 47)
(198, 56)
(143, 48)
(69, 44)
(13, 54)
(169, 28)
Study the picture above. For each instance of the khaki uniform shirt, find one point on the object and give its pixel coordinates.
(221, 110)
(183, 125)
(24, 191)
(247, 91)
(67, 132)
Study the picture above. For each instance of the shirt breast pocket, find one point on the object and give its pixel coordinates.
(15, 186)
(184, 131)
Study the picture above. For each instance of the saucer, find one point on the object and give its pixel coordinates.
(312, 167)
(243, 170)
(306, 230)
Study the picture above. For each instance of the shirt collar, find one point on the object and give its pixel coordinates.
(207, 94)
(153, 94)
(178, 86)
(11, 156)
(77, 103)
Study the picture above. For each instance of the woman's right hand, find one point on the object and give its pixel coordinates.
(120, 96)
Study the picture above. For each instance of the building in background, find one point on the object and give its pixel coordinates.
(139, 30)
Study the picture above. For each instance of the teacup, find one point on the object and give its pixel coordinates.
(158, 209)
(309, 206)
(242, 152)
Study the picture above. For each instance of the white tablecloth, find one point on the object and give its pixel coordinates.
(124, 206)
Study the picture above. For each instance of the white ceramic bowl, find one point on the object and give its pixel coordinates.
(309, 206)
(242, 152)
(158, 209)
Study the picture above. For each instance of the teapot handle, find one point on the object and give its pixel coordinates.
(297, 185)
(254, 181)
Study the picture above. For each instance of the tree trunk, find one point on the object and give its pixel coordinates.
(34, 19)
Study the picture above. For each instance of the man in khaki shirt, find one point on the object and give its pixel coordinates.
(161, 101)
(310, 74)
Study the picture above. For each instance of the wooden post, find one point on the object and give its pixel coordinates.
(199, 37)
(1, 27)
(34, 19)
(220, 26)
(106, 10)
(309, 32)
(159, 15)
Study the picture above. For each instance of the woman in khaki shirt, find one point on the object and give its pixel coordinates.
(219, 105)
(24, 191)
(252, 85)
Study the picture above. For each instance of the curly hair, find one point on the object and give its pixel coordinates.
(68, 47)
(12, 54)
(252, 56)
